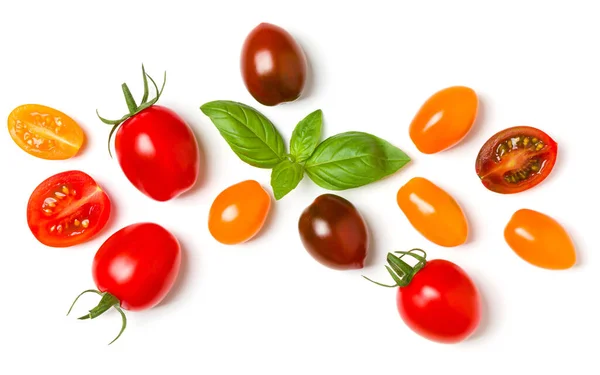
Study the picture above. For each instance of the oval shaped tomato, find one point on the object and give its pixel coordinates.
(67, 209)
(433, 212)
(516, 159)
(239, 212)
(155, 147)
(436, 299)
(334, 233)
(273, 65)
(45, 132)
(134, 269)
(444, 119)
(138, 265)
(540, 240)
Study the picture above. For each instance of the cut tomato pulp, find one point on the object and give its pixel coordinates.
(516, 159)
(67, 209)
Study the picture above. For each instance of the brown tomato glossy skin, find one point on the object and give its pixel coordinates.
(334, 233)
(273, 65)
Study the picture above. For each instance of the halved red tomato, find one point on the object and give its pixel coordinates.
(516, 159)
(67, 209)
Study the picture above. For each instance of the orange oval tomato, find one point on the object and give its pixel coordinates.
(45, 132)
(239, 212)
(540, 240)
(433, 212)
(444, 119)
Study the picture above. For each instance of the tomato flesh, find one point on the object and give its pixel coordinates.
(516, 159)
(158, 153)
(441, 303)
(67, 209)
(138, 265)
(433, 212)
(45, 132)
(239, 212)
(540, 240)
(273, 65)
(444, 119)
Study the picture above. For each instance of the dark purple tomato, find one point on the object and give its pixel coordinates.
(334, 233)
(273, 65)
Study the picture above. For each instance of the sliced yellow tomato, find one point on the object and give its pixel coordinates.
(45, 132)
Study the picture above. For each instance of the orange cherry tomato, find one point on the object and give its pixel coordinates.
(540, 240)
(433, 212)
(45, 132)
(239, 212)
(444, 119)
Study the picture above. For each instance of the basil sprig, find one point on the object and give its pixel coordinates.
(343, 161)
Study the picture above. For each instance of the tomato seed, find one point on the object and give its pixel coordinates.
(85, 223)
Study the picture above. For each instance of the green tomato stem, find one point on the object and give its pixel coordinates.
(400, 271)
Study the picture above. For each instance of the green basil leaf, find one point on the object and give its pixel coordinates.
(249, 133)
(285, 177)
(306, 136)
(352, 159)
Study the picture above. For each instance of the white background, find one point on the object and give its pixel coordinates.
(266, 307)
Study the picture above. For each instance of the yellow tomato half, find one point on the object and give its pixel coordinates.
(45, 132)
(433, 212)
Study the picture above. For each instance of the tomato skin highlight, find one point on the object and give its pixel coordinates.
(516, 159)
(540, 240)
(158, 153)
(334, 233)
(441, 303)
(67, 209)
(433, 212)
(138, 265)
(444, 119)
(239, 212)
(45, 132)
(273, 65)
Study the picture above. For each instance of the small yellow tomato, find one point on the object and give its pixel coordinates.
(239, 212)
(45, 132)
(433, 212)
(540, 240)
(444, 119)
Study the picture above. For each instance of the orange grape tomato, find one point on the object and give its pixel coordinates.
(45, 132)
(239, 212)
(433, 212)
(444, 119)
(540, 240)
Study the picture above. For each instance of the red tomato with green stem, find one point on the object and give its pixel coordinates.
(67, 209)
(156, 148)
(134, 269)
(436, 298)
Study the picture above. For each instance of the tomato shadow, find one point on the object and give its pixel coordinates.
(579, 259)
(182, 278)
(479, 124)
(111, 223)
(309, 85)
(202, 157)
(270, 219)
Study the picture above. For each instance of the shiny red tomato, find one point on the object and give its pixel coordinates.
(156, 148)
(273, 65)
(67, 209)
(516, 159)
(436, 299)
(134, 269)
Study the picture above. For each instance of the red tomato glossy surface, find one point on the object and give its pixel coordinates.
(67, 209)
(138, 265)
(516, 159)
(441, 303)
(273, 65)
(158, 153)
(334, 233)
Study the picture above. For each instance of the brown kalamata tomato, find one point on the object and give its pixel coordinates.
(334, 233)
(273, 65)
